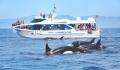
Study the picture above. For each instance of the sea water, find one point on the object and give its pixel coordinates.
(17, 53)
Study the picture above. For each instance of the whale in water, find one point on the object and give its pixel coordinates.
(73, 49)
(78, 43)
(96, 45)
(63, 50)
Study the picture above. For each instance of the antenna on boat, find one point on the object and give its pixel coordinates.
(54, 9)
(96, 17)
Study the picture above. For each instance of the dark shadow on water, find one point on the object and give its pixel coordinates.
(93, 68)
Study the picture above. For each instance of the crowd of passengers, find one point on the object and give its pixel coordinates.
(24, 27)
(86, 27)
(44, 15)
(18, 22)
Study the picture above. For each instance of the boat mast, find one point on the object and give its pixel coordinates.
(54, 9)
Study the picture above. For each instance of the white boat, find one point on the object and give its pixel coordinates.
(53, 28)
(49, 27)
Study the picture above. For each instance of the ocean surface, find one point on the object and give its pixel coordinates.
(17, 53)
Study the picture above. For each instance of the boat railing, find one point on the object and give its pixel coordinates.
(18, 22)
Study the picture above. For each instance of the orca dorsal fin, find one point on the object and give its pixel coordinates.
(61, 37)
(92, 40)
(47, 48)
(98, 42)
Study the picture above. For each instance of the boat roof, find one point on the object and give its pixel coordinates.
(80, 21)
(65, 21)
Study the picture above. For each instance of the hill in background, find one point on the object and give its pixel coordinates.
(103, 22)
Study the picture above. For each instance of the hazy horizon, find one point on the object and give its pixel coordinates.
(102, 22)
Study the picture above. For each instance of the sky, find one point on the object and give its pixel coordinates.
(23, 8)
(13, 9)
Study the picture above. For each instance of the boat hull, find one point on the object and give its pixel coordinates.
(56, 34)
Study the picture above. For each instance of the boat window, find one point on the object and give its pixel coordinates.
(66, 27)
(46, 27)
(56, 27)
(37, 20)
(36, 27)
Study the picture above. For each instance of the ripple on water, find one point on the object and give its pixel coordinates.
(29, 53)
(8, 69)
(18, 53)
(93, 68)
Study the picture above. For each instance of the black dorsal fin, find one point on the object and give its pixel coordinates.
(47, 48)
(98, 42)
(92, 40)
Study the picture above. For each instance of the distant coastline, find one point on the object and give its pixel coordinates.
(103, 21)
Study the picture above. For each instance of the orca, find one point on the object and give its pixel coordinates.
(78, 43)
(63, 50)
(93, 46)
